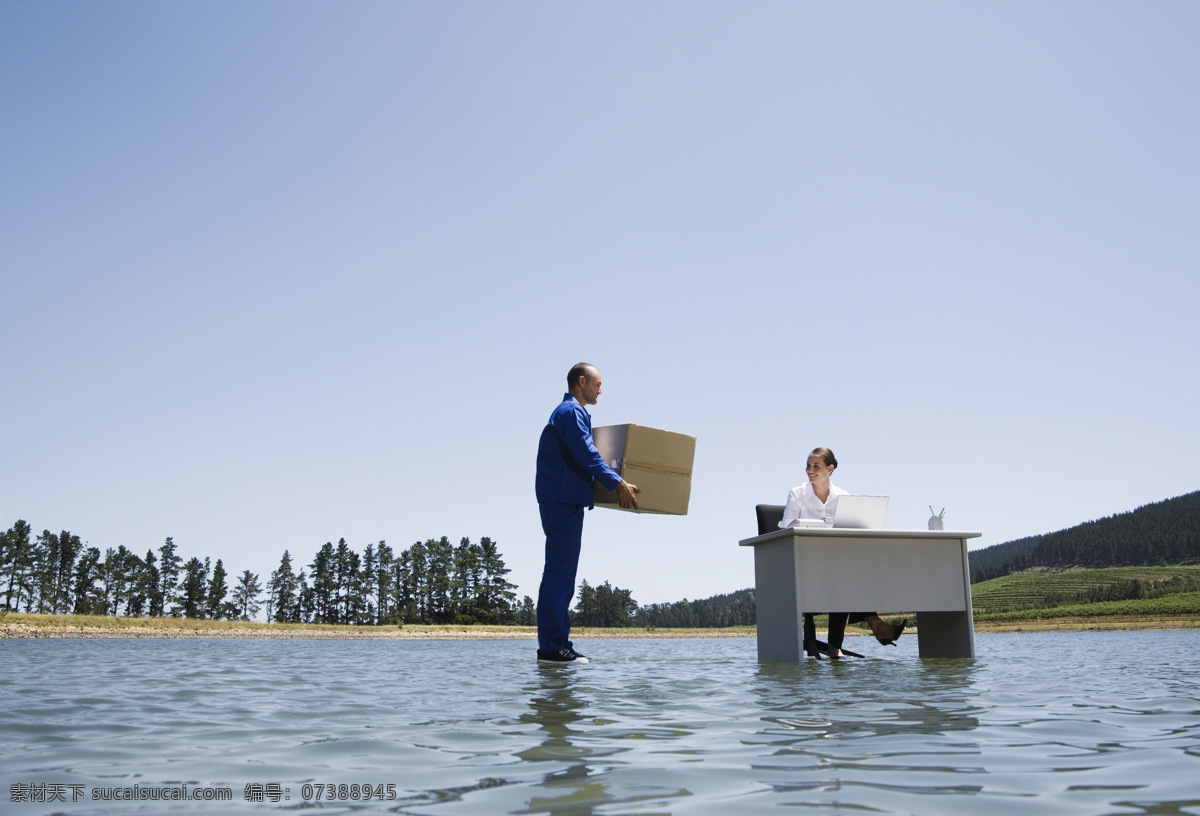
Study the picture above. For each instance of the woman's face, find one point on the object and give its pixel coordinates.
(817, 470)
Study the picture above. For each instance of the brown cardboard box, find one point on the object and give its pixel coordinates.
(658, 462)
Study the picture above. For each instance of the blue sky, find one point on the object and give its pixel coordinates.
(276, 274)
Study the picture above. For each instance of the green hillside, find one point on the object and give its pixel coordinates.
(1041, 589)
(1179, 605)
(1160, 534)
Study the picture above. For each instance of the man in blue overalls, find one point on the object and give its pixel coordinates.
(567, 462)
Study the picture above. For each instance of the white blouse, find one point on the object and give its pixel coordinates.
(802, 503)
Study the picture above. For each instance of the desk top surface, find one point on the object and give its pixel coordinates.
(847, 532)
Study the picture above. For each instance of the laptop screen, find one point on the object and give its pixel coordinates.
(860, 512)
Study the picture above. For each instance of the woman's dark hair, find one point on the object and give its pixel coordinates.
(826, 455)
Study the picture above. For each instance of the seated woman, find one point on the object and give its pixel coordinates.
(817, 499)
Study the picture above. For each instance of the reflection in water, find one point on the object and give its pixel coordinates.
(929, 697)
(555, 708)
(828, 729)
(762, 734)
(582, 727)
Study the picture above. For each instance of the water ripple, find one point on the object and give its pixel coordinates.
(681, 727)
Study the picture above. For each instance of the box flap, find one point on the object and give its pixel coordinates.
(654, 449)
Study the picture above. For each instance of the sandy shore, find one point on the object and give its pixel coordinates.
(47, 626)
(24, 630)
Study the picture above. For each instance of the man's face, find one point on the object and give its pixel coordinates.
(591, 388)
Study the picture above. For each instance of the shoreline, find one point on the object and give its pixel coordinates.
(27, 626)
(27, 631)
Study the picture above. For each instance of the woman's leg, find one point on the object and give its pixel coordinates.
(837, 632)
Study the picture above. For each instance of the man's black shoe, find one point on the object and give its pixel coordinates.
(563, 656)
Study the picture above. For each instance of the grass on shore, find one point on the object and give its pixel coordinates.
(168, 624)
(105, 623)
(1115, 623)
(1053, 620)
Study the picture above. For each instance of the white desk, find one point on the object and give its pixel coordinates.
(822, 569)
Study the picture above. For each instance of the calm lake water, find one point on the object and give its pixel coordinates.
(1093, 723)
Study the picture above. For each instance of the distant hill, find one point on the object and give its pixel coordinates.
(719, 611)
(1164, 533)
(1056, 589)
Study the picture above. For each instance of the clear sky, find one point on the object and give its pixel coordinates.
(279, 273)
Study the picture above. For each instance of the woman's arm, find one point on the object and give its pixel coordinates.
(791, 510)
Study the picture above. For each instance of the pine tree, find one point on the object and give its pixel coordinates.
(148, 587)
(618, 605)
(282, 599)
(341, 582)
(410, 584)
(53, 564)
(193, 588)
(465, 580)
(302, 612)
(604, 605)
(323, 577)
(45, 566)
(348, 601)
(88, 600)
(16, 563)
(245, 596)
(367, 586)
(527, 612)
(440, 556)
(215, 605)
(586, 613)
(385, 593)
(497, 597)
(68, 552)
(355, 604)
(168, 576)
(119, 574)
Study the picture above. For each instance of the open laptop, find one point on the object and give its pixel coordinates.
(860, 512)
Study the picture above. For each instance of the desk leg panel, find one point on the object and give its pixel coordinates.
(777, 603)
(945, 634)
(949, 634)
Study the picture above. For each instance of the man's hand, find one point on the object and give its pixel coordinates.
(625, 495)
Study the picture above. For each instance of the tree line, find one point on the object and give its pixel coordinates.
(429, 582)
(1159, 534)
(609, 606)
(719, 611)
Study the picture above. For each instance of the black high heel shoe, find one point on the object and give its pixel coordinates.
(816, 648)
(897, 631)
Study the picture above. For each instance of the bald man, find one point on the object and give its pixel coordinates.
(567, 464)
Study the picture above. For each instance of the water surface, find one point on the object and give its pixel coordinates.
(1089, 723)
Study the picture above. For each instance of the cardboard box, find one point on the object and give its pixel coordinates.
(658, 462)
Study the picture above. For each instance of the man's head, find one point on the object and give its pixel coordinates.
(583, 382)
